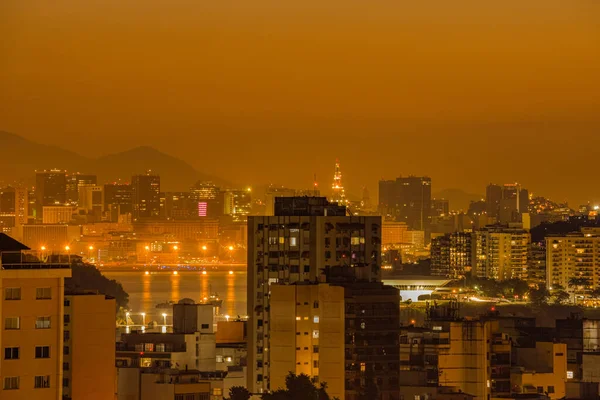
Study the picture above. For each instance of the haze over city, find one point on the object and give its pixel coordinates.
(467, 93)
(299, 200)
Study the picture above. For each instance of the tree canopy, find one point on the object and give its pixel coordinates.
(87, 277)
(239, 393)
(299, 387)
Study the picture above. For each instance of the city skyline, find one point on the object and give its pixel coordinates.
(133, 160)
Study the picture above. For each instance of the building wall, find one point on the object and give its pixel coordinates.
(28, 308)
(464, 364)
(288, 249)
(91, 346)
(57, 214)
(307, 334)
(393, 232)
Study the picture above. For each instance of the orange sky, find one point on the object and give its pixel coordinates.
(465, 91)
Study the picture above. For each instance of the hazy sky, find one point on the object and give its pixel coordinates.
(273, 91)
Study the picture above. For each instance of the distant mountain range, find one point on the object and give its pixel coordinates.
(19, 158)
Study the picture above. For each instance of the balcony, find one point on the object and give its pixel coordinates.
(33, 259)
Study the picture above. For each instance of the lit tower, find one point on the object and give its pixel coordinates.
(337, 188)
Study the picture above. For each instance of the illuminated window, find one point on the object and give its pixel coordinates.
(42, 323)
(293, 241)
(363, 367)
(228, 359)
(569, 374)
(219, 359)
(298, 318)
(148, 346)
(145, 362)
(281, 240)
(316, 319)
(217, 392)
(315, 334)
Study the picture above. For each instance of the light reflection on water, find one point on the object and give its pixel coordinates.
(146, 291)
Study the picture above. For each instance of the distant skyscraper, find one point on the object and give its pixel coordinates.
(117, 199)
(387, 198)
(408, 199)
(506, 203)
(238, 204)
(74, 181)
(209, 198)
(440, 207)
(338, 195)
(145, 196)
(50, 190)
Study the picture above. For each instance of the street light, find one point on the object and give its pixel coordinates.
(175, 247)
(43, 248)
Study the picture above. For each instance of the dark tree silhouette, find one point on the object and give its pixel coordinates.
(86, 277)
(299, 387)
(239, 393)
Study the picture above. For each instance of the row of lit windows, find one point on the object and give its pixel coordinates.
(315, 319)
(14, 382)
(15, 293)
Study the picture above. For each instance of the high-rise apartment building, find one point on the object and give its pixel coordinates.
(31, 308)
(117, 199)
(89, 347)
(408, 199)
(50, 190)
(451, 254)
(74, 182)
(145, 196)
(309, 240)
(506, 203)
(576, 255)
(500, 252)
